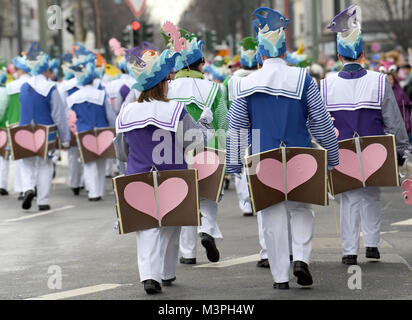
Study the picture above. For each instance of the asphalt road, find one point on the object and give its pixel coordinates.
(77, 239)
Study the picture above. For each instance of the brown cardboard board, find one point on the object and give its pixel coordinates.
(377, 157)
(96, 144)
(136, 194)
(290, 174)
(3, 143)
(31, 141)
(211, 167)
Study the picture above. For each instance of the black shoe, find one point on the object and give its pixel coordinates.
(291, 258)
(35, 192)
(373, 253)
(211, 250)
(264, 263)
(152, 287)
(168, 283)
(76, 191)
(187, 261)
(95, 199)
(21, 197)
(301, 271)
(28, 198)
(281, 286)
(350, 260)
(248, 214)
(44, 208)
(3, 192)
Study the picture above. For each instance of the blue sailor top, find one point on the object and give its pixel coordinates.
(277, 105)
(89, 105)
(35, 101)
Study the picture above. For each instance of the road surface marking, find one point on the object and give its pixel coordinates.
(403, 223)
(231, 262)
(40, 214)
(78, 292)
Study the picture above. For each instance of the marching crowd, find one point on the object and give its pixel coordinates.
(286, 96)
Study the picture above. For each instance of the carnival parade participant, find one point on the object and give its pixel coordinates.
(40, 103)
(157, 248)
(4, 165)
(198, 94)
(93, 110)
(344, 96)
(402, 99)
(10, 114)
(284, 104)
(67, 87)
(249, 65)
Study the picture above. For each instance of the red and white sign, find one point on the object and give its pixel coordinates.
(137, 6)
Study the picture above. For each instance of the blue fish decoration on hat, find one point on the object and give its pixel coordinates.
(347, 25)
(346, 20)
(271, 32)
(274, 20)
(37, 59)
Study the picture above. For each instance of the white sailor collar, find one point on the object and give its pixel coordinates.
(41, 85)
(275, 78)
(87, 94)
(14, 87)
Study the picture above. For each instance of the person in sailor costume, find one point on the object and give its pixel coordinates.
(361, 102)
(93, 110)
(40, 103)
(154, 113)
(67, 87)
(284, 103)
(198, 94)
(10, 114)
(4, 164)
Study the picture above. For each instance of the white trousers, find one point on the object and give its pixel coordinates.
(109, 167)
(264, 252)
(94, 178)
(18, 176)
(4, 173)
(358, 206)
(242, 190)
(37, 172)
(188, 236)
(276, 234)
(75, 168)
(158, 253)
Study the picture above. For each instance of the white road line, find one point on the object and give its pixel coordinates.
(78, 292)
(403, 223)
(40, 214)
(231, 262)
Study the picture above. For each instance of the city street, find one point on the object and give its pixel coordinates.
(78, 238)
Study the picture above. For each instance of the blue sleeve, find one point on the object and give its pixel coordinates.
(237, 135)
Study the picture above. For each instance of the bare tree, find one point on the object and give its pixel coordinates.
(392, 17)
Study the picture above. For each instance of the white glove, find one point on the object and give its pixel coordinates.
(207, 116)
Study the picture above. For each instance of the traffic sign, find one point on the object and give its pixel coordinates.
(137, 6)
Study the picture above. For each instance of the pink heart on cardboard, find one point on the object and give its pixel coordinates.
(300, 169)
(206, 164)
(3, 139)
(29, 140)
(141, 196)
(100, 144)
(373, 158)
